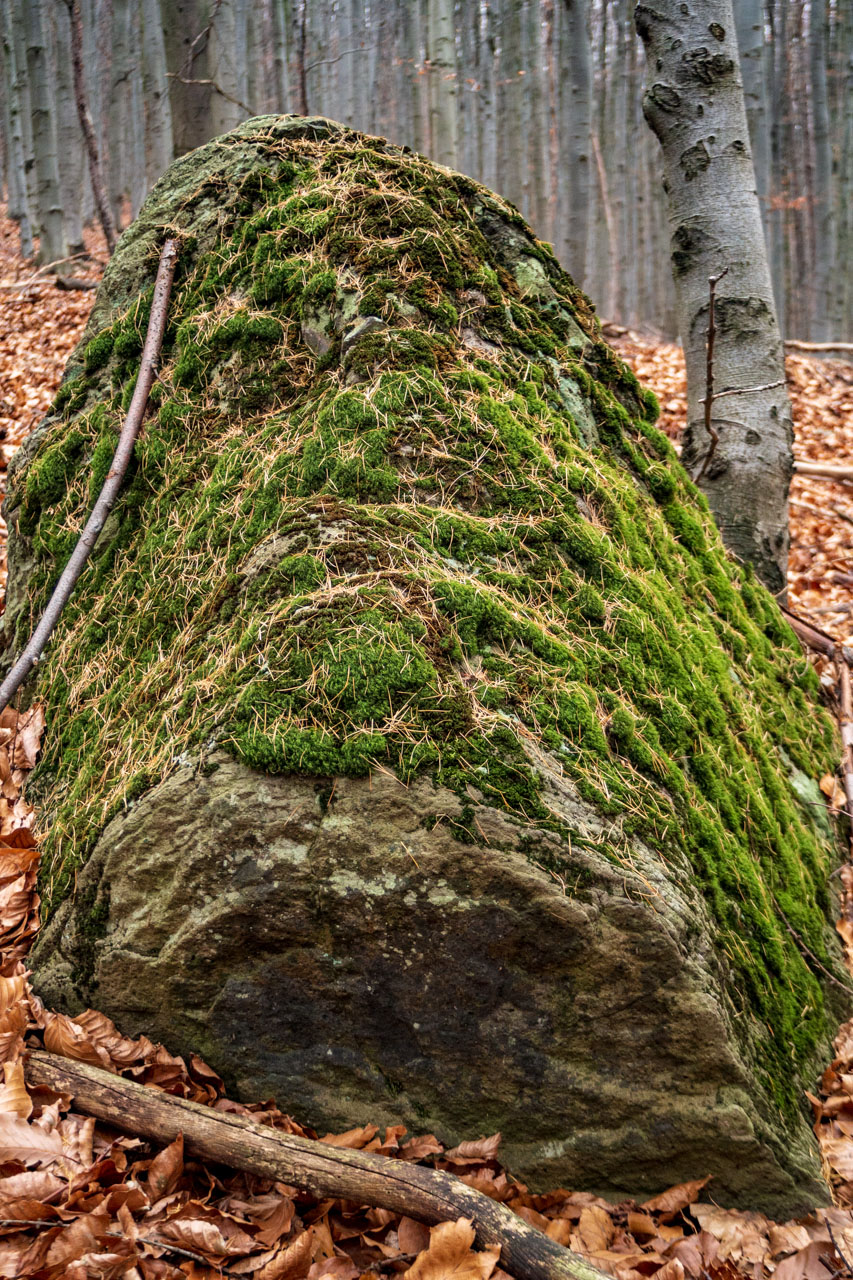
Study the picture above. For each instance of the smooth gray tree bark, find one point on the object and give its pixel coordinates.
(52, 243)
(443, 85)
(749, 15)
(694, 103)
(15, 109)
(72, 161)
(159, 147)
(824, 206)
(228, 65)
(579, 130)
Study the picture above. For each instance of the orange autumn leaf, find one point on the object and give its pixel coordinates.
(450, 1255)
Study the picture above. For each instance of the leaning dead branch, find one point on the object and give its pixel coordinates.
(428, 1195)
(124, 451)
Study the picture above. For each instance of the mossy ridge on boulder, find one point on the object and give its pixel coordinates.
(398, 505)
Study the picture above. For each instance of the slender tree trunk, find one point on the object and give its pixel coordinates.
(100, 193)
(845, 183)
(579, 72)
(750, 34)
(715, 224)
(16, 109)
(777, 14)
(227, 65)
(159, 149)
(824, 196)
(486, 79)
(186, 63)
(118, 174)
(441, 52)
(72, 161)
(104, 18)
(300, 75)
(53, 244)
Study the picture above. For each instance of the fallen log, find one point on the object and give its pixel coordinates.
(824, 470)
(429, 1195)
(794, 345)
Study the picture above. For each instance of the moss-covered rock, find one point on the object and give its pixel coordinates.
(400, 534)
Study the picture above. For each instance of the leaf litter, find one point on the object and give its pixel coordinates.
(78, 1201)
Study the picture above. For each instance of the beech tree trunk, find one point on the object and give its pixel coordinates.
(694, 103)
(824, 211)
(53, 244)
(579, 128)
(95, 171)
(441, 51)
(159, 151)
(15, 109)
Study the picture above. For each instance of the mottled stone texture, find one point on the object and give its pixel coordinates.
(346, 952)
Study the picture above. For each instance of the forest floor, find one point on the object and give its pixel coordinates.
(78, 1201)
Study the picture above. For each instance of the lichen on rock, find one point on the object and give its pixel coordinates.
(399, 512)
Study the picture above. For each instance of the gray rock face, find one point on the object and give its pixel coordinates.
(346, 950)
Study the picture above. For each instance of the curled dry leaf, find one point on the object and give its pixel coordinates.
(595, 1230)
(165, 1169)
(290, 1263)
(353, 1138)
(27, 1143)
(676, 1198)
(63, 1036)
(412, 1236)
(479, 1149)
(13, 1093)
(450, 1255)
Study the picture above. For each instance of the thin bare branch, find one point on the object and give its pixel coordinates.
(124, 451)
(712, 432)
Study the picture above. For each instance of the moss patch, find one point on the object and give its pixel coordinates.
(408, 552)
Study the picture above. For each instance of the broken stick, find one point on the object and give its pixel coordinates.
(824, 470)
(124, 452)
(429, 1195)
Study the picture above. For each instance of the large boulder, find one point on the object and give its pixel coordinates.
(415, 751)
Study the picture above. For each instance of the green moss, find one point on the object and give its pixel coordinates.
(403, 555)
(98, 351)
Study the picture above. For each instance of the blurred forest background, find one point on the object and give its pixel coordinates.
(539, 99)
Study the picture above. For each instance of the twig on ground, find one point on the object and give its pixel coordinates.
(429, 1195)
(708, 401)
(165, 1245)
(813, 638)
(845, 721)
(824, 470)
(837, 1247)
(818, 346)
(36, 277)
(71, 282)
(828, 513)
(124, 451)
